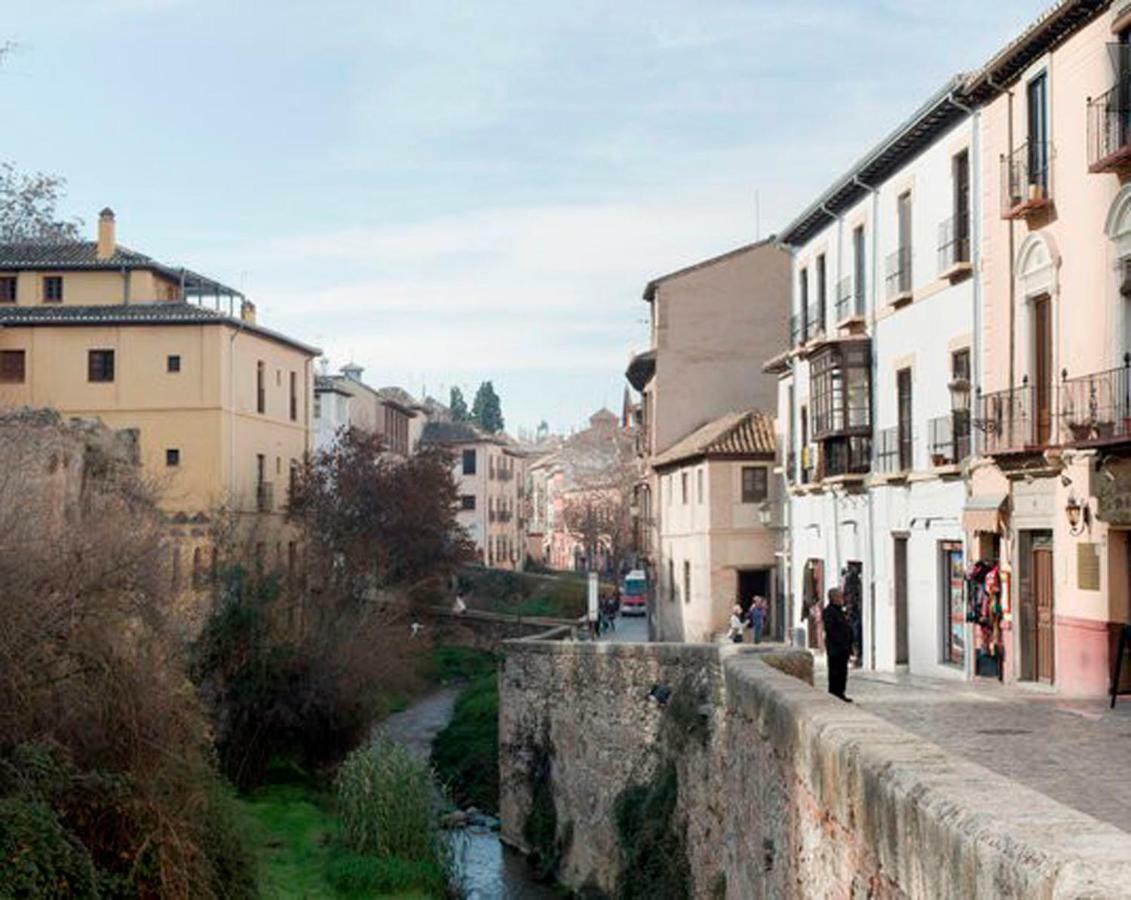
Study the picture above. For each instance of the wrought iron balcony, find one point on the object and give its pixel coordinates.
(1025, 180)
(949, 438)
(899, 275)
(1096, 408)
(847, 456)
(794, 330)
(954, 245)
(1015, 419)
(814, 322)
(844, 298)
(1109, 130)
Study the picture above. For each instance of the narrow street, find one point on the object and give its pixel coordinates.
(629, 630)
(1075, 752)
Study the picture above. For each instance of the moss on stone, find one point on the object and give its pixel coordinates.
(653, 844)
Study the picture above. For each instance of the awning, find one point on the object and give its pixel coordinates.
(983, 513)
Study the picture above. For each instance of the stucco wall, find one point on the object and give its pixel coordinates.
(790, 794)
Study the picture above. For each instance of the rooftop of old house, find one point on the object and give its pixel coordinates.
(735, 434)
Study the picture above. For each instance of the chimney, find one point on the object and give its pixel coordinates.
(247, 311)
(107, 240)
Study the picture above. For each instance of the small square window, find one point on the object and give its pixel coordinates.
(468, 462)
(12, 366)
(100, 365)
(467, 501)
(8, 289)
(53, 289)
(173, 363)
(172, 457)
(754, 485)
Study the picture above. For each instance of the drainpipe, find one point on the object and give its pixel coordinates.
(976, 317)
(873, 367)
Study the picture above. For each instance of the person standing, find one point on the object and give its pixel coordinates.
(838, 643)
(735, 633)
(757, 615)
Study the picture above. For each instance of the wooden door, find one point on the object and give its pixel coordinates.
(1043, 603)
(1042, 370)
(900, 546)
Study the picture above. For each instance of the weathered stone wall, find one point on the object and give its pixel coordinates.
(788, 793)
(484, 630)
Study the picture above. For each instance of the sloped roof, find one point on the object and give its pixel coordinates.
(168, 312)
(749, 433)
(455, 433)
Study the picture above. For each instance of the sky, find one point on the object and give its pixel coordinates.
(450, 192)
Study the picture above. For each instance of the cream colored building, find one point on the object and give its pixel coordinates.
(220, 403)
(719, 528)
(491, 475)
(344, 400)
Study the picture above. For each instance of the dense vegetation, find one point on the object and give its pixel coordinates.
(561, 596)
(466, 753)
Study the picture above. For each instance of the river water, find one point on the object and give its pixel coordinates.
(488, 870)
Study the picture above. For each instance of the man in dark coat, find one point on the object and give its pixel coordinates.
(838, 643)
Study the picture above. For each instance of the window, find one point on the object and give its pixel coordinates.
(822, 290)
(859, 268)
(683, 486)
(172, 457)
(318, 406)
(8, 289)
(686, 581)
(172, 363)
(53, 289)
(960, 402)
(294, 397)
(261, 386)
(961, 173)
(754, 484)
(699, 484)
(671, 581)
(468, 462)
(1038, 150)
(903, 406)
(804, 311)
(100, 365)
(12, 366)
(903, 224)
(467, 501)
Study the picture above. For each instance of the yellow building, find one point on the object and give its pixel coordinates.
(221, 404)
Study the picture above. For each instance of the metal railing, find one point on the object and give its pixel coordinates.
(954, 243)
(1012, 420)
(844, 298)
(898, 270)
(794, 330)
(1025, 179)
(848, 456)
(1109, 129)
(265, 496)
(1096, 408)
(814, 324)
(888, 456)
(948, 438)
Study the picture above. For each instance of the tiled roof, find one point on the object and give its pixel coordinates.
(454, 433)
(398, 396)
(163, 313)
(749, 433)
(69, 255)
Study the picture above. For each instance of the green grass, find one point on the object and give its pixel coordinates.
(294, 834)
(465, 754)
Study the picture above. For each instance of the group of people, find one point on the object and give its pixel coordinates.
(608, 608)
(753, 617)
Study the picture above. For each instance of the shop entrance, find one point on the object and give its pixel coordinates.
(900, 569)
(756, 583)
(1038, 649)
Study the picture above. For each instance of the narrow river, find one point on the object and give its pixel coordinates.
(488, 870)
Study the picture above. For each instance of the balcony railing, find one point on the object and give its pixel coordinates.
(954, 243)
(1015, 419)
(844, 298)
(1109, 118)
(265, 496)
(814, 325)
(1025, 180)
(949, 438)
(888, 457)
(847, 456)
(794, 330)
(1096, 408)
(899, 274)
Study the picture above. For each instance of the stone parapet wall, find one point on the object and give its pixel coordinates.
(783, 791)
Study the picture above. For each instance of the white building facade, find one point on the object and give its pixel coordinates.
(875, 393)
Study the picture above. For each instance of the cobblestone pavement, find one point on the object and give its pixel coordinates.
(1076, 752)
(630, 630)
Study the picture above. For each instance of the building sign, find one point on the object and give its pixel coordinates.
(1088, 566)
(1112, 486)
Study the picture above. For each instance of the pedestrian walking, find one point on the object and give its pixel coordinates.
(838, 643)
(757, 617)
(735, 633)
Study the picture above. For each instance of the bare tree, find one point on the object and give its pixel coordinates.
(598, 513)
(29, 208)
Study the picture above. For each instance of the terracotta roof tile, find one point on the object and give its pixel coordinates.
(749, 433)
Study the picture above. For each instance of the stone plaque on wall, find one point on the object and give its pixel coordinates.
(1112, 487)
(1088, 566)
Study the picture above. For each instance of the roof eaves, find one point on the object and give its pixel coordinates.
(650, 287)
